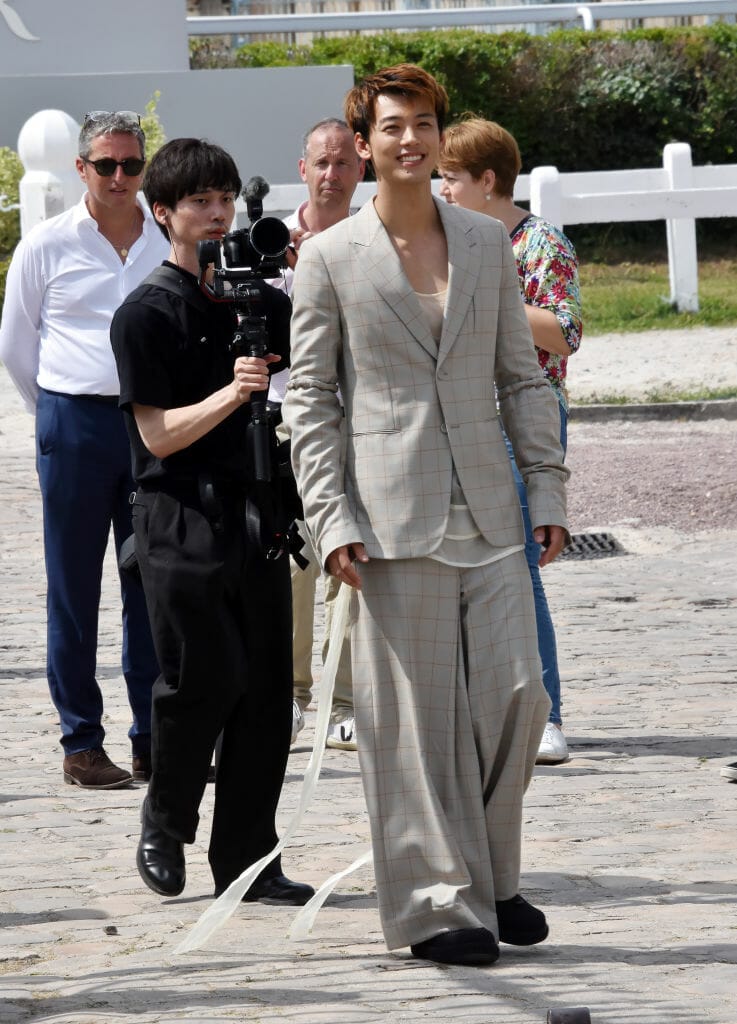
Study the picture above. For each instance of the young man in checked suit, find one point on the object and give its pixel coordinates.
(411, 309)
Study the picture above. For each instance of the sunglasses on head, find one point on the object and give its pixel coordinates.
(106, 167)
(100, 116)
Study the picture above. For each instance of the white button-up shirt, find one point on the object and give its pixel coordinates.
(64, 283)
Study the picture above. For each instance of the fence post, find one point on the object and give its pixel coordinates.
(683, 265)
(47, 147)
(587, 18)
(546, 194)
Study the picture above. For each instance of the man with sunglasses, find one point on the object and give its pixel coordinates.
(66, 279)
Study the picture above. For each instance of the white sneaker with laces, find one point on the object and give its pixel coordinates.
(553, 747)
(298, 720)
(342, 735)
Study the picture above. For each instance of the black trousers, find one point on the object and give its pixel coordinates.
(221, 621)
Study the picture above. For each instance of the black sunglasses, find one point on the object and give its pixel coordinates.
(106, 167)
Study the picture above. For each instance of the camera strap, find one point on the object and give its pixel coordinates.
(170, 280)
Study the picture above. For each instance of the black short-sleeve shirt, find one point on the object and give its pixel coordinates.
(172, 351)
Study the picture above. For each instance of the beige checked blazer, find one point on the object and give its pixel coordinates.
(413, 409)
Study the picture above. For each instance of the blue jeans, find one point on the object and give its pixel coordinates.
(545, 632)
(84, 469)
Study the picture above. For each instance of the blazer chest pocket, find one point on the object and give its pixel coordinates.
(372, 411)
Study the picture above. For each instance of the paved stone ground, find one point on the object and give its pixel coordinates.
(629, 847)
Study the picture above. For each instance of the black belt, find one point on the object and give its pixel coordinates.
(105, 399)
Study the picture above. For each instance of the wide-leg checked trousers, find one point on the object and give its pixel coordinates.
(221, 621)
(450, 709)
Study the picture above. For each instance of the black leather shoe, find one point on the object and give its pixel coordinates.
(472, 946)
(278, 890)
(520, 924)
(160, 858)
(141, 768)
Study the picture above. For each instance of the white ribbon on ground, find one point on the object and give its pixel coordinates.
(225, 905)
(303, 922)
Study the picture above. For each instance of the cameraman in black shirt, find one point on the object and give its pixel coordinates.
(220, 610)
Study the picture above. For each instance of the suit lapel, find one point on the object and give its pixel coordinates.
(463, 260)
(381, 265)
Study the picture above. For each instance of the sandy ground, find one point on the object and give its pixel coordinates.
(649, 481)
(634, 364)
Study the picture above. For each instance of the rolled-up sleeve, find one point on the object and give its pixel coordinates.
(312, 411)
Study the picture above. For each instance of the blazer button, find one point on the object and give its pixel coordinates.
(443, 428)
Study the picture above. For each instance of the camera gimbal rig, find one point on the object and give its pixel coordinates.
(250, 255)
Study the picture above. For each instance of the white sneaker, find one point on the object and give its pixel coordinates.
(553, 747)
(342, 735)
(729, 771)
(298, 720)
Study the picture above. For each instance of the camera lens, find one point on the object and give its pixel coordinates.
(270, 237)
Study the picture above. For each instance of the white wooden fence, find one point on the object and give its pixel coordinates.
(677, 193)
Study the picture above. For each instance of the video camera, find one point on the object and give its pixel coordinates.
(240, 263)
(252, 253)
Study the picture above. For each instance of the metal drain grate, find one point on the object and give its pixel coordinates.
(592, 545)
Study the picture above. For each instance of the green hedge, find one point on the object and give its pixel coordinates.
(578, 100)
(11, 170)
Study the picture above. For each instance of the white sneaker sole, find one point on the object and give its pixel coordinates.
(341, 744)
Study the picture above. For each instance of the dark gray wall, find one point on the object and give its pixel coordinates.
(258, 114)
(96, 55)
(75, 36)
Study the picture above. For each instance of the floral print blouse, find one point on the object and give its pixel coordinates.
(548, 274)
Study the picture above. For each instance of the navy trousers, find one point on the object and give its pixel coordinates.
(84, 468)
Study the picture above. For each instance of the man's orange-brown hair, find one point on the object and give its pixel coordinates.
(400, 80)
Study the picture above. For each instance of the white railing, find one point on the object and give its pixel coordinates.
(587, 16)
(677, 193)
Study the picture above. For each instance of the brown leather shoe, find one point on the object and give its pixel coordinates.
(93, 769)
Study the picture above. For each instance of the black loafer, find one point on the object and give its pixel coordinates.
(472, 946)
(160, 858)
(520, 924)
(278, 890)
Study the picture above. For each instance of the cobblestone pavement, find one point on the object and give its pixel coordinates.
(630, 847)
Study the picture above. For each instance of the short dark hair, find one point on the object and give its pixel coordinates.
(184, 167)
(400, 80)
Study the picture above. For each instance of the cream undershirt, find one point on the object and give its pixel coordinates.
(462, 545)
